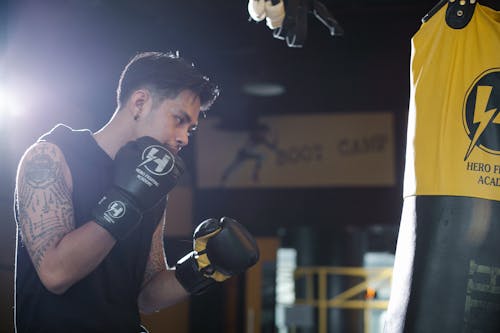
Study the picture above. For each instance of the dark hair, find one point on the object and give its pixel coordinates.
(167, 74)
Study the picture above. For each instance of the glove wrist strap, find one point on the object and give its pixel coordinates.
(116, 213)
(188, 275)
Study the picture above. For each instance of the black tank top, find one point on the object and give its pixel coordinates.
(105, 300)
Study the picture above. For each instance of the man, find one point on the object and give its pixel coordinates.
(90, 210)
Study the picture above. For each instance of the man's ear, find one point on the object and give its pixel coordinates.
(140, 103)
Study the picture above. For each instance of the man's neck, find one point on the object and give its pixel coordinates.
(116, 133)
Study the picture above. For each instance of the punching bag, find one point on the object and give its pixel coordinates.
(447, 268)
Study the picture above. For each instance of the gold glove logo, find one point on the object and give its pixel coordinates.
(157, 160)
(481, 113)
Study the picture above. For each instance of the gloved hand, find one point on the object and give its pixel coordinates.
(144, 172)
(221, 248)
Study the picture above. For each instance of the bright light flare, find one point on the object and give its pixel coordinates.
(10, 104)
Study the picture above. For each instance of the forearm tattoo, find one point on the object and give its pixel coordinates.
(43, 200)
(156, 261)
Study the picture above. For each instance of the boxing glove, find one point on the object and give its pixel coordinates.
(221, 248)
(144, 171)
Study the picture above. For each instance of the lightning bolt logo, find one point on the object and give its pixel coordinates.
(163, 165)
(482, 116)
(151, 156)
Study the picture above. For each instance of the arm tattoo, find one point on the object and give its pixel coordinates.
(43, 200)
(156, 261)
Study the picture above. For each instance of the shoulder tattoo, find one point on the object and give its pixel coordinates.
(43, 201)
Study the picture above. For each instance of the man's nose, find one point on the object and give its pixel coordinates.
(182, 138)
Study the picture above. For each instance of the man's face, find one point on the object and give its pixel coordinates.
(174, 120)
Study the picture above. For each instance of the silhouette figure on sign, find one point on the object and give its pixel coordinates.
(257, 137)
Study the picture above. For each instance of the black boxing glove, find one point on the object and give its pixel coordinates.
(144, 171)
(221, 248)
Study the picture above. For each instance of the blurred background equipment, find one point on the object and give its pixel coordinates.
(289, 19)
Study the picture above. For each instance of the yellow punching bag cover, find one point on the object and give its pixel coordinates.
(453, 144)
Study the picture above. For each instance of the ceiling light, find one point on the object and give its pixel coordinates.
(265, 89)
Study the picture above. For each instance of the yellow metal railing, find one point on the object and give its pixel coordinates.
(370, 276)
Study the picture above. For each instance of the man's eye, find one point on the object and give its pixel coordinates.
(179, 119)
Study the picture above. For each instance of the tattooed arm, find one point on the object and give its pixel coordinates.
(160, 287)
(61, 254)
